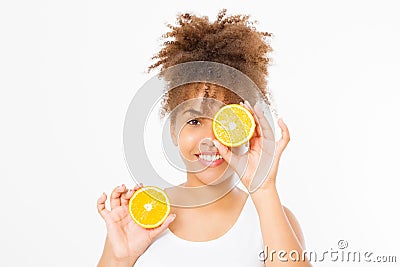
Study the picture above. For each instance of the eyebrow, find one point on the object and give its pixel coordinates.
(193, 111)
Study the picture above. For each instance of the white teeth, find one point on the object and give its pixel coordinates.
(210, 157)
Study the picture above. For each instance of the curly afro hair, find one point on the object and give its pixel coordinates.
(230, 40)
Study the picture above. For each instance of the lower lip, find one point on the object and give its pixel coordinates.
(211, 164)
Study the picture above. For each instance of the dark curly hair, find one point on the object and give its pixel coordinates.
(231, 40)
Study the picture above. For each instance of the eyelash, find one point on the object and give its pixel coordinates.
(189, 122)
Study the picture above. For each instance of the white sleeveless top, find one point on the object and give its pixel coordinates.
(241, 246)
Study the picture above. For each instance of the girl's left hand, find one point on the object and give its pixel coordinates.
(258, 167)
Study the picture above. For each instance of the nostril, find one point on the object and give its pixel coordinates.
(207, 141)
(207, 144)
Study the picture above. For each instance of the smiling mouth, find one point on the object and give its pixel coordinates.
(210, 159)
(209, 156)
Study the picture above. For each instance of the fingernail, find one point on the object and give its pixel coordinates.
(220, 147)
(171, 219)
(216, 143)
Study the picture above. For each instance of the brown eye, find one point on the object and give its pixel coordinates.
(194, 122)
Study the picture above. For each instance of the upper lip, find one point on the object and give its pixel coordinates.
(207, 153)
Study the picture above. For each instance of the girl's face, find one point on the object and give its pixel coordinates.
(192, 133)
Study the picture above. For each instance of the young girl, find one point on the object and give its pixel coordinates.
(241, 228)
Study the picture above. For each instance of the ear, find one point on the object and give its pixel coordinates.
(173, 133)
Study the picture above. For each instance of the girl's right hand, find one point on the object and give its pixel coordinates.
(126, 240)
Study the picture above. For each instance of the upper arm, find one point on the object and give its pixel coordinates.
(295, 226)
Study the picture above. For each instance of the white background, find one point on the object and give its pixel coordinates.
(68, 70)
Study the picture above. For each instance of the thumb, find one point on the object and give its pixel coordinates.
(164, 225)
(225, 152)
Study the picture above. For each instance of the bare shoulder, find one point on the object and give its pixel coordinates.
(295, 226)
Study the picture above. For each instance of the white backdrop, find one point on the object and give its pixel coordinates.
(68, 70)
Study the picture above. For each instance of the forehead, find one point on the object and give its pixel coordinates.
(204, 90)
(198, 90)
(202, 96)
(198, 107)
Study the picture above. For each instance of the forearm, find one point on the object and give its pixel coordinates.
(109, 260)
(276, 230)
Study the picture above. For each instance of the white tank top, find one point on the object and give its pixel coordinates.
(241, 246)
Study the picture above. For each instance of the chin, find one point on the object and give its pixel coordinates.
(214, 177)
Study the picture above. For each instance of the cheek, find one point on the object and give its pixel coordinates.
(187, 141)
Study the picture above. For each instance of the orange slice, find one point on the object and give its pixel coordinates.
(233, 125)
(149, 206)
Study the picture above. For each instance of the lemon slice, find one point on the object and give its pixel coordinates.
(149, 206)
(233, 125)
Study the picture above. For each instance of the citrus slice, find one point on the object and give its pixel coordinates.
(233, 125)
(149, 206)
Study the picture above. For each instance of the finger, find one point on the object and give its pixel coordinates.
(129, 193)
(226, 154)
(171, 217)
(265, 126)
(285, 130)
(115, 200)
(285, 135)
(101, 206)
(256, 143)
(248, 106)
(125, 197)
(137, 187)
(257, 131)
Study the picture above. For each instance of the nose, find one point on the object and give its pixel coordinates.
(206, 144)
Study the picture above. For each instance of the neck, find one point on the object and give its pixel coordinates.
(194, 193)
